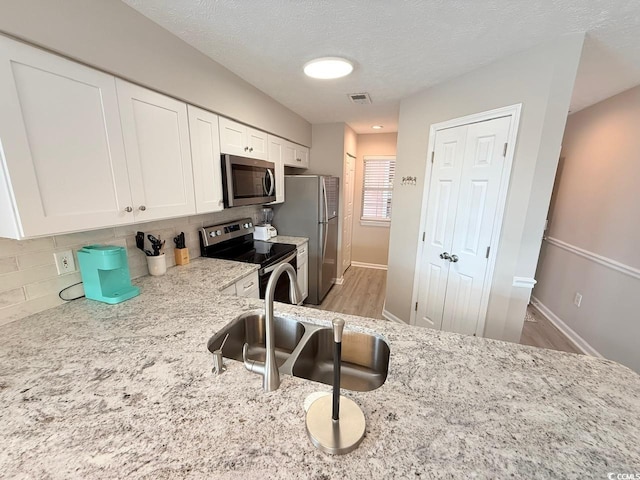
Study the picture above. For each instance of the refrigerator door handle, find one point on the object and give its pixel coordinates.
(325, 236)
(326, 206)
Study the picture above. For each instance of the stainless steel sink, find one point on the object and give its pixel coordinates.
(305, 350)
(250, 328)
(365, 360)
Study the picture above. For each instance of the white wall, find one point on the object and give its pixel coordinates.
(29, 282)
(542, 80)
(370, 243)
(111, 36)
(596, 209)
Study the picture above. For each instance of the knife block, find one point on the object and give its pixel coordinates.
(182, 255)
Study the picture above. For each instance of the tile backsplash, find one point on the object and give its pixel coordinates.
(29, 282)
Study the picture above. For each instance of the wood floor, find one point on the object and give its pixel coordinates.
(363, 294)
(542, 333)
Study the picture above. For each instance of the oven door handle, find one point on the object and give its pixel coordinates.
(273, 267)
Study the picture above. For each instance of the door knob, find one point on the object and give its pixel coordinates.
(454, 258)
(445, 256)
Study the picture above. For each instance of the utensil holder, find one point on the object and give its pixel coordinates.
(157, 264)
(182, 256)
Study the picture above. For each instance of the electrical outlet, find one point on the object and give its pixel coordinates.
(65, 262)
(577, 300)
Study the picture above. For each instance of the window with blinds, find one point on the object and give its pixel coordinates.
(377, 189)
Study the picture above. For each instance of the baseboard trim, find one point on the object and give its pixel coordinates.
(391, 317)
(571, 334)
(375, 266)
(594, 257)
(338, 281)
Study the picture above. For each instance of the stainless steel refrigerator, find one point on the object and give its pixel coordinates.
(311, 210)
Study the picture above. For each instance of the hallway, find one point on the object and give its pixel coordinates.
(362, 293)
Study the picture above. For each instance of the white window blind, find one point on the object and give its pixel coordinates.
(378, 188)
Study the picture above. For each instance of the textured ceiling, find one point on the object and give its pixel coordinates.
(398, 46)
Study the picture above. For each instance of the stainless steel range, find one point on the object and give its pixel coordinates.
(234, 241)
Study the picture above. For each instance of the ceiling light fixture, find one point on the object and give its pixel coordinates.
(327, 68)
(377, 127)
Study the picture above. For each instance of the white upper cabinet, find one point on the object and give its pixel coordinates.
(156, 139)
(63, 162)
(276, 150)
(238, 139)
(205, 153)
(296, 155)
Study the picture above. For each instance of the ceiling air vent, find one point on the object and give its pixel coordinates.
(360, 98)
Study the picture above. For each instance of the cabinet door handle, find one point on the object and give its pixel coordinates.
(246, 149)
(128, 209)
(454, 258)
(248, 285)
(251, 149)
(299, 159)
(142, 208)
(445, 256)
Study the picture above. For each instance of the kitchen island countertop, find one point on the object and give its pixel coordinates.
(90, 390)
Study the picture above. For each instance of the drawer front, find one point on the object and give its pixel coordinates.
(246, 286)
(303, 254)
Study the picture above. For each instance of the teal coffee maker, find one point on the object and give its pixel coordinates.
(105, 273)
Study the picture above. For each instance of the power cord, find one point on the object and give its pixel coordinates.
(67, 288)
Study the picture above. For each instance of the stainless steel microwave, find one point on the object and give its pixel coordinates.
(247, 181)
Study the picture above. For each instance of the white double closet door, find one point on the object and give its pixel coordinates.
(464, 190)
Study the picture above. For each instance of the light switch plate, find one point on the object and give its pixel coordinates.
(65, 262)
(577, 300)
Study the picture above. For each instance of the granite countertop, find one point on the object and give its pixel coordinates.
(91, 390)
(297, 241)
(224, 272)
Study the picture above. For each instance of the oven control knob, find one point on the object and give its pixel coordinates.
(212, 234)
(250, 224)
(218, 232)
(246, 225)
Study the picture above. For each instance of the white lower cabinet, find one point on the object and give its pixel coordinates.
(302, 260)
(248, 286)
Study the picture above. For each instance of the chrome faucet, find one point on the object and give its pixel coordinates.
(269, 369)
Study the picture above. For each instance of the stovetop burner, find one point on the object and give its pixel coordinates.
(234, 241)
(254, 251)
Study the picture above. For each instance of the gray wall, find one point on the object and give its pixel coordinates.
(111, 36)
(542, 80)
(595, 208)
(330, 143)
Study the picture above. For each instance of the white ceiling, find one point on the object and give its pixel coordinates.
(399, 47)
